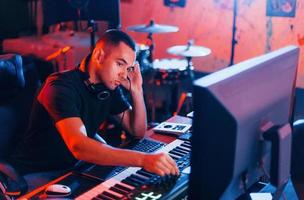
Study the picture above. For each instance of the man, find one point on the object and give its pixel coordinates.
(71, 105)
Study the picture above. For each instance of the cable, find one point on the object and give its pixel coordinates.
(123, 136)
(284, 196)
(123, 114)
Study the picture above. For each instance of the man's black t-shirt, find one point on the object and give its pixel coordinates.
(63, 95)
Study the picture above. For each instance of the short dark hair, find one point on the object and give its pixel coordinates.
(114, 37)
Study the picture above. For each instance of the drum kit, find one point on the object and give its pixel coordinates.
(166, 70)
(169, 72)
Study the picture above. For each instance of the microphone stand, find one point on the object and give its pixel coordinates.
(187, 91)
(151, 45)
(234, 41)
(189, 60)
(92, 27)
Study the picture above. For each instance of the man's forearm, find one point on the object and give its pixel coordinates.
(138, 117)
(92, 151)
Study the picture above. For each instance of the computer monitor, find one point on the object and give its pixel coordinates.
(231, 107)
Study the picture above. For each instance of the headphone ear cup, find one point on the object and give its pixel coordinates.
(101, 94)
(98, 90)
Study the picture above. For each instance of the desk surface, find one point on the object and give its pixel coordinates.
(150, 133)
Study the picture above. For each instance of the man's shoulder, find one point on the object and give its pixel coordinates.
(68, 76)
(63, 74)
(59, 84)
(61, 81)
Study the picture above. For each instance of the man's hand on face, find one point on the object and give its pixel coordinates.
(134, 81)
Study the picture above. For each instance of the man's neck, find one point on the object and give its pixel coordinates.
(91, 70)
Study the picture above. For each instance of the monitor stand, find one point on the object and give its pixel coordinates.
(281, 139)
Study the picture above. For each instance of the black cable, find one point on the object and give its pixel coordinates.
(123, 136)
(123, 114)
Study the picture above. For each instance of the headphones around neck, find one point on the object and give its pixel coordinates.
(99, 90)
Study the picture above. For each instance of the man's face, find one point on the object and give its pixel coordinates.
(115, 65)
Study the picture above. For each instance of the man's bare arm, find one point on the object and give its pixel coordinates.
(135, 120)
(84, 148)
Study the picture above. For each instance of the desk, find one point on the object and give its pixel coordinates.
(150, 133)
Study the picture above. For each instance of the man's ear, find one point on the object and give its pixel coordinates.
(98, 55)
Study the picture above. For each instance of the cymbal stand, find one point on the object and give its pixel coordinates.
(190, 67)
(150, 43)
(188, 93)
(189, 61)
(92, 28)
(151, 46)
(234, 29)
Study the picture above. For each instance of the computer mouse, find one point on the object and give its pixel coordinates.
(57, 190)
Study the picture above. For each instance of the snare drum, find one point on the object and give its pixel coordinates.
(169, 71)
(142, 56)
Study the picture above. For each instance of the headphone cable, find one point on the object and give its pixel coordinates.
(123, 114)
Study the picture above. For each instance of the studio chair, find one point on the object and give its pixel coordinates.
(297, 158)
(18, 85)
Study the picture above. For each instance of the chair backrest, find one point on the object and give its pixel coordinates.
(18, 85)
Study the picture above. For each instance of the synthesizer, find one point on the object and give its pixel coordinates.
(136, 183)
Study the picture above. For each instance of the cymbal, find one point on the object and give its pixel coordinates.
(189, 50)
(153, 28)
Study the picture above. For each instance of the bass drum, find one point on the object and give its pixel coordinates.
(142, 57)
(169, 71)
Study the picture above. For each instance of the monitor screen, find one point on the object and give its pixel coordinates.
(230, 108)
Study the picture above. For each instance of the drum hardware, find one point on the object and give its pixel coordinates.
(184, 99)
(162, 87)
(58, 53)
(188, 51)
(142, 56)
(151, 28)
(53, 56)
(169, 71)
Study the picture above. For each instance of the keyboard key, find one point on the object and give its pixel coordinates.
(139, 177)
(175, 157)
(185, 148)
(113, 195)
(186, 145)
(133, 179)
(182, 149)
(96, 198)
(176, 153)
(119, 191)
(128, 182)
(123, 187)
(103, 197)
(145, 173)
